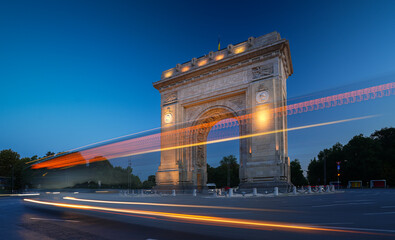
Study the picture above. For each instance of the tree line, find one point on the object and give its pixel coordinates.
(16, 174)
(363, 158)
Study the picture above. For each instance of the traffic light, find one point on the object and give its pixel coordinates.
(338, 174)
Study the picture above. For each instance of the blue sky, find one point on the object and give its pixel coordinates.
(78, 72)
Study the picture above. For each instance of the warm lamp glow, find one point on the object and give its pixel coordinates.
(219, 57)
(168, 74)
(184, 69)
(262, 116)
(239, 49)
(203, 62)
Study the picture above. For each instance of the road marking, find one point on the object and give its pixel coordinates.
(53, 219)
(340, 204)
(379, 213)
(388, 207)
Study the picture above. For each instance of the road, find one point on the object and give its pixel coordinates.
(354, 214)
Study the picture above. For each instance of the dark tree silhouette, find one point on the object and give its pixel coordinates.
(297, 177)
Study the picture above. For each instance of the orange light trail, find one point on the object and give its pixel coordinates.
(91, 144)
(170, 139)
(138, 146)
(202, 219)
(174, 205)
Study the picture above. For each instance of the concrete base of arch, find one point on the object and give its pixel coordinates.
(283, 186)
(186, 188)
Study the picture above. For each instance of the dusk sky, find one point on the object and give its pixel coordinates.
(77, 72)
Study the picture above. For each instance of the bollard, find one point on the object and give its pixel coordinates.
(142, 193)
(294, 190)
(254, 192)
(332, 188)
(308, 189)
(173, 192)
(230, 192)
(327, 188)
(275, 191)
(194, 192)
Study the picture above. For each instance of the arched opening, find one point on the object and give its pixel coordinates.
(221, 123)
(218, 154)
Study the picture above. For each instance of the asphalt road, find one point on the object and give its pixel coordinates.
(354, 214)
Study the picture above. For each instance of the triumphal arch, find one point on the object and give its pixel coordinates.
(245, 82)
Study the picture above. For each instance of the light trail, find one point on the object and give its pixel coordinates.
(152, 143)
(126, 149)
(258, 134)
(360, 95)
(175, 205)
(91, 144)
(206, 220)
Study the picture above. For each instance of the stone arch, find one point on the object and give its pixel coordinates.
(245, 80)
(237, 109)
(198, 154)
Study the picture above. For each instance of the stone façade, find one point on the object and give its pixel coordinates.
(248, 78)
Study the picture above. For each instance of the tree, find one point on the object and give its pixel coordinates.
(314, 172)
(328, 159)
(49, 153)
(150, 182)
(8, 158)
(227, 174)
(297, 177)
(229, 162)
(385, 140)
(8, 162)
(362, 158)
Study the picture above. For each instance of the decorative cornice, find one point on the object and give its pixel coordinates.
(252, 50)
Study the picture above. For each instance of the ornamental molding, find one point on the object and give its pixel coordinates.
(170, 98)
(262, 71)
